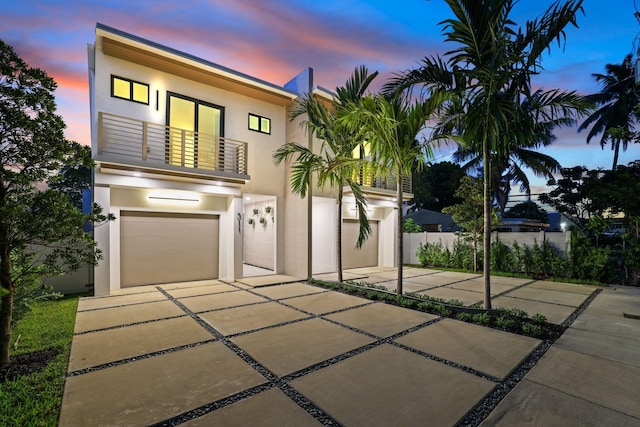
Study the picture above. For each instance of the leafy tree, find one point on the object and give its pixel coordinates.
(528, 209)
(596, 225)
(573, 194)
(435, 184)
(40, 227)
(469, 214)
(490, 69)
(410, 226)
(617, 100)
(333, 163)
(73, 178)
(390, 125)
(619, 190)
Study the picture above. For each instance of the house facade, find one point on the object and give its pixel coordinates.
(183, 158)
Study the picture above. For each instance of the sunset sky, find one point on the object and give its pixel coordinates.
(275, 39)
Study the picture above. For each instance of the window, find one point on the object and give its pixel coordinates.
(259, 123)
(129, 90)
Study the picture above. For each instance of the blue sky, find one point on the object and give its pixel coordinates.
(275, 39)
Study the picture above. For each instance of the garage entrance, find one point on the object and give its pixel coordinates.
(161, 247)
(367, 256)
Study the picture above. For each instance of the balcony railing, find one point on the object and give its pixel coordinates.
(366, 179)
(160, 145)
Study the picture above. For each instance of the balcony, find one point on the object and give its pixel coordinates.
(134, 142)
(383, 185)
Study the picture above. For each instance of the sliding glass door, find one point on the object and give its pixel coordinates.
(195, 129)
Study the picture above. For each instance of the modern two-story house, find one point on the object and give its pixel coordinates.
(183, 158)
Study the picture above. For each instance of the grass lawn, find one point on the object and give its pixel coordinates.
(34, 399)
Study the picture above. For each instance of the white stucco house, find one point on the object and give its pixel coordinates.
(183, 152)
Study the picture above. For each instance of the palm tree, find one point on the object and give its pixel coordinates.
(616, 101)
(536, 127)
(333, 164)
(390, 126)
(489, 70)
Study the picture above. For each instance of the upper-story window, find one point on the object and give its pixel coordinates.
(129, 89)
(259, 123)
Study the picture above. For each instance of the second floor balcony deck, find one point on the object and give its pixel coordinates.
(386, 186)
(134, 142)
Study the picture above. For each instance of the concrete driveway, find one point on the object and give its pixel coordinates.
(274, 351)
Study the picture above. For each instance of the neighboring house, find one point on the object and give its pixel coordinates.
(433, 221)
(520, 225)
(183, 151)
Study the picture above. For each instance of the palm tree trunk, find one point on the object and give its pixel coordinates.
(616, 152)
(339, 235)
(399, 238)
(487, 224)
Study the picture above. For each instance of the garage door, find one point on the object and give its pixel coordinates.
(367, 256)
(166, 248)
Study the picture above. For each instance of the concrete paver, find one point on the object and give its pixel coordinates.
(466, 297)
(393, 274)
(191, 291)
(490, 351)
(123, 315)
(564, 287)
(272, 279)
(96, 348)
(537, 405)
(612, 347)
(590, 378)
(115, 301)
(150, 390)
(168, 363)
(433, 280)
(182, 285)
(553, 312)
(220, 300)
(548, 295)
(477, 285)
(369, 270)
(298, 345)
(247, 318)
(269, 408)
(288, 290)
(380, 319)
(345, 276)
(325, 302)
(457, 275)
(390, 386)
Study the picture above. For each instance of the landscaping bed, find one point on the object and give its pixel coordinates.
(510, 320)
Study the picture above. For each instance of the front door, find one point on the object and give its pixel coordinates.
(195, 131)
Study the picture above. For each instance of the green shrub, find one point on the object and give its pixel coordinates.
(585, 260)
(28, 285)
(462, 256)
(514, 312)
(502, 259)
(539, 318)
(505, 323)
(481, 318)
(532, 329)
(464, 317)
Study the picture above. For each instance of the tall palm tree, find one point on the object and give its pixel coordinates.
(615, 116)
(489, 70)
(333, 163)
(391, 126)
(508, 166)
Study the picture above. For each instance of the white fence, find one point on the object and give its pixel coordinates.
(560, 240)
